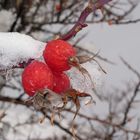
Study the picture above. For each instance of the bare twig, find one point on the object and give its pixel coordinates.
(130, 67)
(105, 122)
(21, 102)
(129, 104)
(80, 24)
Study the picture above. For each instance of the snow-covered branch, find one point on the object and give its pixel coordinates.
(16, 48)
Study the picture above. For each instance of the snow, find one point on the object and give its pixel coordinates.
(16, 48)
(84, 83)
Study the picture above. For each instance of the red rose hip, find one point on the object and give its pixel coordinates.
(57, 54)
(35, 77)
(61, 82)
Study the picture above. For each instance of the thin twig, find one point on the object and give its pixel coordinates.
(105, 122)
(129, 104)
(80, 24)
(21, 102)
(130, 67)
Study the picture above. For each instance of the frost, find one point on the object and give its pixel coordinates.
(16, 48)
(95, 72)
(82, 82)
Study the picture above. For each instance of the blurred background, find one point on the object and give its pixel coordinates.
(115, 31)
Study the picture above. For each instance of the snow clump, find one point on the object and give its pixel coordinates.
(16, 48)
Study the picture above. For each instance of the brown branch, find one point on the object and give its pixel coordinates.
(129, 104)
(12, 100)
(62, 128)
(130, 67)
(80, 24)
(21, 102)
(128, 22)
(105, 122)
(19, 13)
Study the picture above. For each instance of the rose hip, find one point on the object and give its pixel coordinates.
(61, 82)
(36, 76)
(57, 55)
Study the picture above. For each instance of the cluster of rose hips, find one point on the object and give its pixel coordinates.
(41, 80)
(59, 57)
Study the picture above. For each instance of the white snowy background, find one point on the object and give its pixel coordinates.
(112, 41)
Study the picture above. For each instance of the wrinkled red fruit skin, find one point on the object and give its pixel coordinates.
(61, 82)
(57, 53)
(36, 76)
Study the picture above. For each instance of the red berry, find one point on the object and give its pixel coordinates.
(36, 76)
(57, 54)
(61, 82)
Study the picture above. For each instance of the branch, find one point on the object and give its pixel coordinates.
(20, 11)
(130, 67)
(21, 102)
(80, 24)
(125, 22)
(106, 122)
(64, 129)
(128, 108)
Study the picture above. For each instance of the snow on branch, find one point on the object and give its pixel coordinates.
(16, 48)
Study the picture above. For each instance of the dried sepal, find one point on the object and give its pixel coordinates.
(85, 58)
(74, 61)
(43, 100)
(74, 95)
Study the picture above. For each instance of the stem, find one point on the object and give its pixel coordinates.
(80, 24)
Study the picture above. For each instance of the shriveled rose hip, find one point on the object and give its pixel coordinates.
(61, 82)
(36, 76)
(57, 55)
